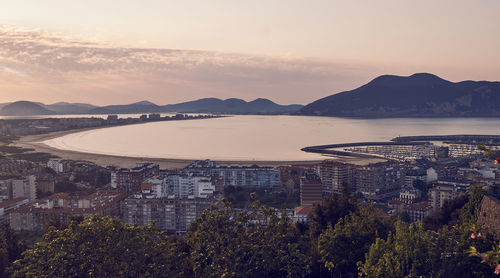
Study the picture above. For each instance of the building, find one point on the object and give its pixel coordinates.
(179, 185)
(414, 176)
(396, 206)
(18, 167)
(379, 180)
(311, 190)
(62, 207)
(112, 119)
(418, 211)
(130, 180)
(18, 188)
(59, 166)
(334, 175)
(25, 187)
(409, 194)
(431, 175)
(444, 190)
(45, 183)
(154, 117)
(253, 176)
(7, 206)
(168, 213)
(247, 176)
(182, 186)
(5, 190)
(172, 201)
(290, 175)
(301, 214)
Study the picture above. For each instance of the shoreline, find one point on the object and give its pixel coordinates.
(36, 142)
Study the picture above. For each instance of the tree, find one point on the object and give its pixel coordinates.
(346, 244)
(225, 242)
(447, 215)
(412, 251)
(408, 252)
(10, 248)
(330, 211)
(470, 211)
(101, 247)
(453, 245)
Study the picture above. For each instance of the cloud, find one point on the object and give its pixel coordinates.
(56, 68)
(12, 71)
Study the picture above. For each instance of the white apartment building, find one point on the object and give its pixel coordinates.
(179, 186)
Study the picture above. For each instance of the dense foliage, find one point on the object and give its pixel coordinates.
(343, 239)
(359, 230)
(239, 197)
(10, 248)
(225, 242)
(99, 247)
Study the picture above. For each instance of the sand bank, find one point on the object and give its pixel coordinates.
(36, 142)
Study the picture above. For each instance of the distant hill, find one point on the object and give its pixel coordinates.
(70, 108)
(2, 105)
(24, 108)
(232, 105)
(138, 107)
(206, 105)
(418, 95)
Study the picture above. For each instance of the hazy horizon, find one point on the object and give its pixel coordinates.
(287, 51)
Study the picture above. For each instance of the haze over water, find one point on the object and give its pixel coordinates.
(260, 138)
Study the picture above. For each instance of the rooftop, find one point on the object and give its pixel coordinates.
(421, 206)
(12, 202)
(98, 200)
(305, 210)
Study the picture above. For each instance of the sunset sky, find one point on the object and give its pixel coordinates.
(290, 51)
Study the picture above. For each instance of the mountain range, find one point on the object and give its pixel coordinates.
(206, 105)
(418, 95)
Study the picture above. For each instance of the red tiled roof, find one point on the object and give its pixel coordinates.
(306, 210)
(380, 212)
(422, 206)
(11, 202)
(394, 202)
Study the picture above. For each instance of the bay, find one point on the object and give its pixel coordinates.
(260, 138)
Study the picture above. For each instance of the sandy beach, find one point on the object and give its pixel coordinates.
(36, 142)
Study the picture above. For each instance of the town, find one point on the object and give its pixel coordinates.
(34, 195)
(12, 128)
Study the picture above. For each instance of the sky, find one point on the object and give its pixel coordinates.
(290, 51)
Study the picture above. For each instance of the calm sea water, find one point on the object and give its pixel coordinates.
(263, 138)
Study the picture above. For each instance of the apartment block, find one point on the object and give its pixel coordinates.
(7, 206)
(62, 207)
(59, 166)
(311, 190)
(334, 175)
(446, 189)
(418, 211)
(247, 176)
(379, 180)
(169, 213)
(24, 187)
(130, 180)
(179, 185)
